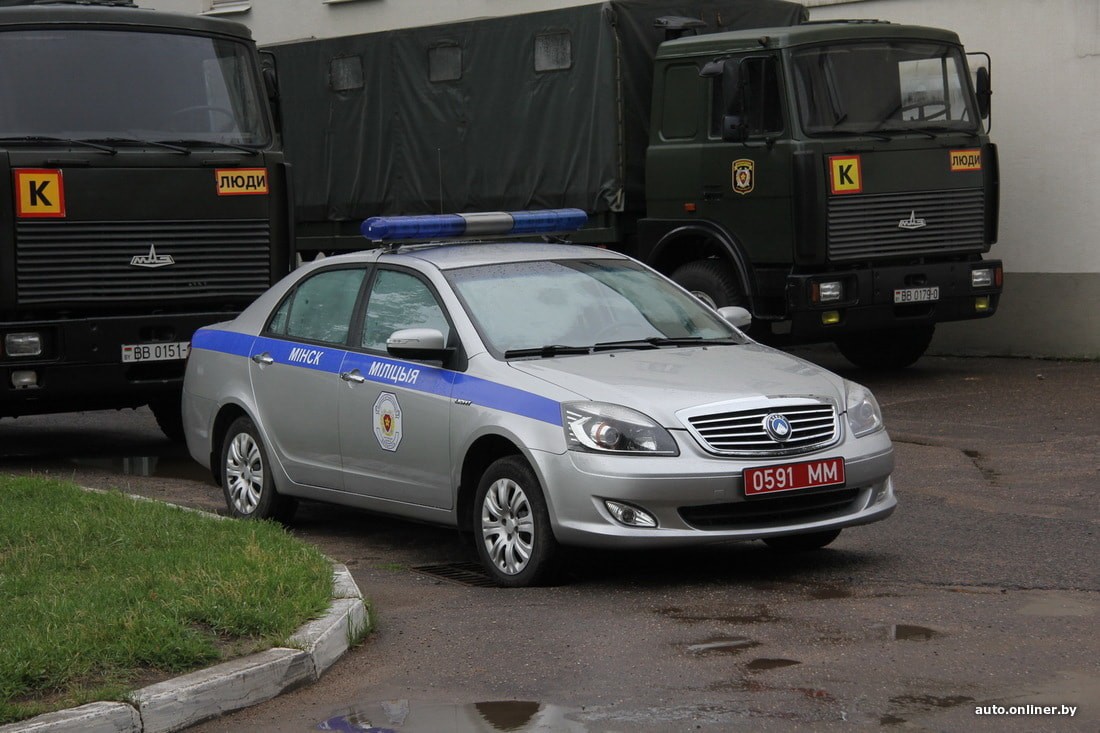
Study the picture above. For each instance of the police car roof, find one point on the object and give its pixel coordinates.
(470, 254)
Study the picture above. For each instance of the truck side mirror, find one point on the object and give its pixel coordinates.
(984, 90)
(734, 129)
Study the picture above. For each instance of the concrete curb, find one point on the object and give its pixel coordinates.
(192, 698)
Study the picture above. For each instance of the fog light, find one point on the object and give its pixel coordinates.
(23, 344)
(629, 515)
(830, 318)
(981, 304)
(981, 278)
(24, 379)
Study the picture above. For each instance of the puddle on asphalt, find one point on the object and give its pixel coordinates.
(762, 665)
(399, 716)
(729, 645)
(149, 466)
(906, 632)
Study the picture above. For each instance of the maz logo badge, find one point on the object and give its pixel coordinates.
(912, 222)
(152, 260)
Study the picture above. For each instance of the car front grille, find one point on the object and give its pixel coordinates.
(814, 425)
(770, 511)
(869, 225)
(74, 262)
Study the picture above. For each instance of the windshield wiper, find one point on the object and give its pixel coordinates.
(547, 351)
(191, 143)
(65, 140)
(138, 141)
(655, 342)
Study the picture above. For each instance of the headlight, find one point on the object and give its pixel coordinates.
(598, 427)
(864, 414)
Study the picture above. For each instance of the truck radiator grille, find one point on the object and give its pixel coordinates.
(869, 226)
(742, 433)
(91, 262)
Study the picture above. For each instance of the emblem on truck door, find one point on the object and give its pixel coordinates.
(912, 222)
(152, 260)
(744, 177)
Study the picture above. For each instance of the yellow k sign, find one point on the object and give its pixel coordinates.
(39, 193)
(845, 175)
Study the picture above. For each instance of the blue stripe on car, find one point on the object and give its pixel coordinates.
(409, 375)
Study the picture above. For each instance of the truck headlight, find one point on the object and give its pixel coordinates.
(599, 427)
(861, 407)
(23, 344)
(981, 278)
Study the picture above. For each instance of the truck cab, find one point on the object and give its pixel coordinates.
(835, 178)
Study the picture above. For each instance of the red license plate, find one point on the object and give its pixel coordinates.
(794, 476)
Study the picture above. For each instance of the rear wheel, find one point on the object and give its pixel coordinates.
(245, 475)
(712, 281)
(886, 350)
(512, 525)
(802, 542)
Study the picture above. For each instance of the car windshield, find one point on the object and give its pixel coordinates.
(83, 84)
(883, 86)
(581, 303)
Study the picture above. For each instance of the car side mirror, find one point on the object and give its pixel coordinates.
(737, 316)
(424, 344)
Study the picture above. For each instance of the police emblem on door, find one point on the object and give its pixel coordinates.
(387, 421)
(744, 179)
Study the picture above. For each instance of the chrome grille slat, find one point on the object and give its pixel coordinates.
(742, 432)
(75, 262)
(866, 225)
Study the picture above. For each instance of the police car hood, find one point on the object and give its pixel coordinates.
(660, 382)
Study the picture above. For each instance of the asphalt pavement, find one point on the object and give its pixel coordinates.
(974, 607)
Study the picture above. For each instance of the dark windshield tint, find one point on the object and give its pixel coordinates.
(93, 84)
(880, 86)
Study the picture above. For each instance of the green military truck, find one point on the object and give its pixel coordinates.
(834, 178)
(142, 195)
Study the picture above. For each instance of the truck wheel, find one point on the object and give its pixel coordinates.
(802, 542)
(712, 281)
(245, 476)
(169, 415)
(512, 525)
(885, 350)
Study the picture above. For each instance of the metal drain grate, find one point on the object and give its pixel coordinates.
(462, 573)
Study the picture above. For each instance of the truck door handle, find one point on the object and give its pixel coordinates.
(354, 376)
(263, 359)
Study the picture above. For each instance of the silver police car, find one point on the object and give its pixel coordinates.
(536, 395)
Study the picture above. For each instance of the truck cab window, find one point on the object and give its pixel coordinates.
(748, 89)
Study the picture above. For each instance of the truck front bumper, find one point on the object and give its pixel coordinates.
(868, 302)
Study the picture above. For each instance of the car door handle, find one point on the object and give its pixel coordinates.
(263, 359)
(353, 376)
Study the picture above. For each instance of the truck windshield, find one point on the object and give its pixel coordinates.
(883, 86)
(85, 84)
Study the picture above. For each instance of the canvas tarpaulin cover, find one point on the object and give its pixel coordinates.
(547, 109)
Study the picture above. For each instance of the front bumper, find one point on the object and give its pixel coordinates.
(868, 302)
(697, 498)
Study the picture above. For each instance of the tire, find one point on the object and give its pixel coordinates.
(886, 350)
(512, 525)
(802, 542)
(712, 281)
(245, 476)
(169, 415)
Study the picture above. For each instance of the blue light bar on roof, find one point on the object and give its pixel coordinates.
(438, 226)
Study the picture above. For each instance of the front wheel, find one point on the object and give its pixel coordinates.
(712, 281)
(245, 475)
(802, 542)
(886, 350)
(512, 525)
(168, 412)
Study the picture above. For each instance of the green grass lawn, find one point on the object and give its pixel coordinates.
(100, 593)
